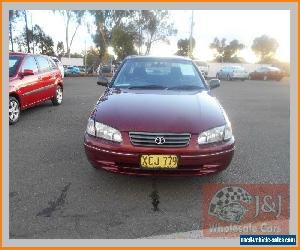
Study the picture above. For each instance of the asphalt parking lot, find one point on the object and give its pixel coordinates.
(55, 193)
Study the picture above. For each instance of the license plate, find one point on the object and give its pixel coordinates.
(159, 161)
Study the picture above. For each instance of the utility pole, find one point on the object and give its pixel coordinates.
(33, 45)
(191, 36)
(85, 56)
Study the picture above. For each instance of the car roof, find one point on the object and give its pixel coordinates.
(273, 68)
(24, 54)
(158, 57)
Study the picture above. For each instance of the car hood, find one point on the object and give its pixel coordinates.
(159, 111)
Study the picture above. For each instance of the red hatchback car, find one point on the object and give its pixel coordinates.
(157, 117)
(32, 79)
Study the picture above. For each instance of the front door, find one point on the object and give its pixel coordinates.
(30, 85)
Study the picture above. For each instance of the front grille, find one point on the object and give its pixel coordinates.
(145, 139)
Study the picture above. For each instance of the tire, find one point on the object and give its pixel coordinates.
(58, 97)
(14, 110)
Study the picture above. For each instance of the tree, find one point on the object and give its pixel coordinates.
(106, 21)
(123, 42)
(37, 39)
(75, 16)
(27, 35)
(93, 57)
(265, 47)
(156, 27)
(60, 49)
(183, 46)
(24, 40)
(226, 52)
(42, 41)
(13, 16)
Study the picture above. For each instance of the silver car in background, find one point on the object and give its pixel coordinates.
(230, 73)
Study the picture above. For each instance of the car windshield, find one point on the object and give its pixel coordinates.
(14, 62)
(158, 73)
(239, 68)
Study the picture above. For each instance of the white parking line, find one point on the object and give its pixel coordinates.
(195, 234)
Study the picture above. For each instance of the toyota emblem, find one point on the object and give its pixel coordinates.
(160, 140)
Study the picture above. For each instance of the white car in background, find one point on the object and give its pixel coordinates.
(59, 65)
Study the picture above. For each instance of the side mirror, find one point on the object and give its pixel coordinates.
(214, 83)
(103, 81)
(27, 72)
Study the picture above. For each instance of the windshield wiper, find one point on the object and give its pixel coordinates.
(152, 86)
(186, 87)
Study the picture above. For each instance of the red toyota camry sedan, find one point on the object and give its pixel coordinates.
(157, 117)
(32, 79)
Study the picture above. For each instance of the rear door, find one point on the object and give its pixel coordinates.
(47, 77)
(30, 86)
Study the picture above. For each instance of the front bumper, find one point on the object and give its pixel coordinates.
(125, 158)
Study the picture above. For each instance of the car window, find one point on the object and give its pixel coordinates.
(30, 63)
(166, 73)
(238, 68)
(43, 63)
(264, 69)
(14, 62)
(52, 63)
(224, 68)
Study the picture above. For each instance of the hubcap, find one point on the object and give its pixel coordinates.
(14, 110)
(59, 95)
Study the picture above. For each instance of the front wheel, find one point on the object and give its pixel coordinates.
(58, 97)
(13, 110)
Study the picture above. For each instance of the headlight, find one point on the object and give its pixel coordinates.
(218, 134)
(212, 135)
(103, 131)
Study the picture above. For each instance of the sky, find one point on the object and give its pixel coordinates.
(243, 25)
